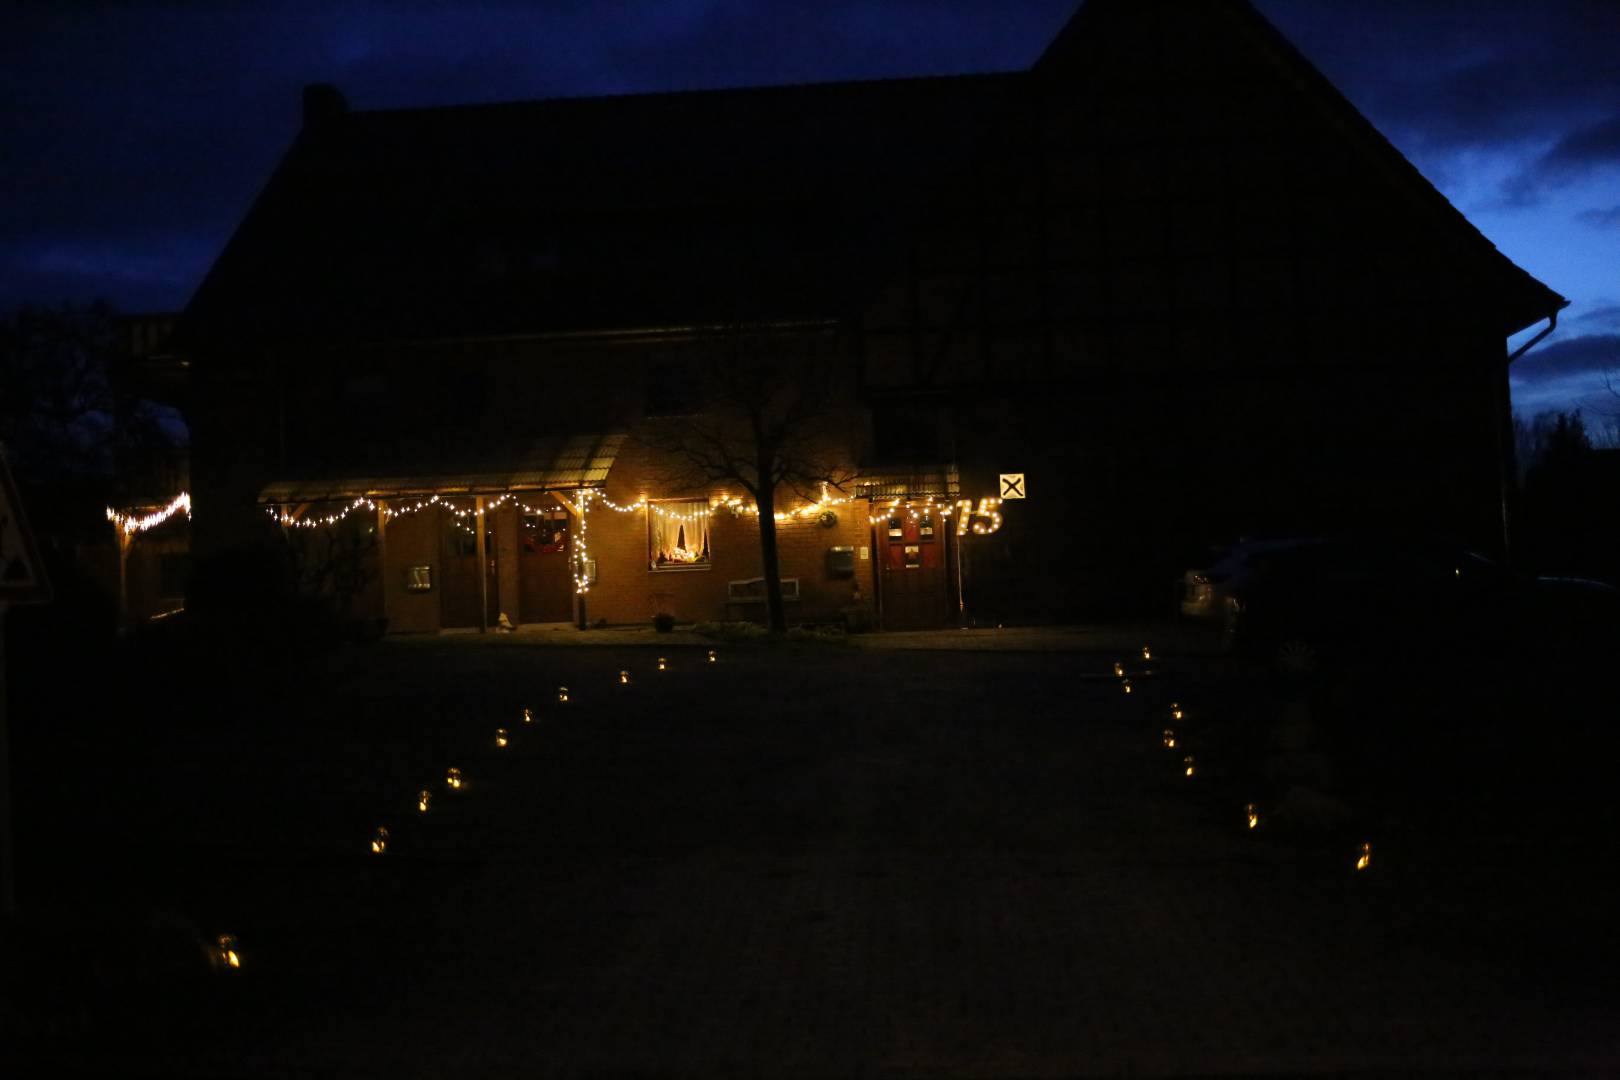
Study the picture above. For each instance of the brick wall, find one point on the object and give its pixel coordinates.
(627, 590)
(413, 540)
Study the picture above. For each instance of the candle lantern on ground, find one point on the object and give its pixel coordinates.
(1252, 812)
(500, 736)
(528, 717)
(379, 841)
(423, 797)
(663, 664)
(1175, 711)
(1125, 684)
(1169, 738)
(225, 955)
(1364, 858)
(1187, 764)
(1119, 670)
(624, 678)
(452, 779)
(712, 656)
(562, 695)
(1147, 652)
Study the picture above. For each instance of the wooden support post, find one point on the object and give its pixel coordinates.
(483, 566)
(126, 540)
(382, 561)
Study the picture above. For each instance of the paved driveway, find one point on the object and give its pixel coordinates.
(822, 862)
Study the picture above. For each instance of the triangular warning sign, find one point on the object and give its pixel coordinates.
(22, 574)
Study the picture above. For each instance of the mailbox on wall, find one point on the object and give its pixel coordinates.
(840, 562)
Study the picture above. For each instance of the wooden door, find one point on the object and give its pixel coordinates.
(461, 595)
(914, 561)
(544, 575)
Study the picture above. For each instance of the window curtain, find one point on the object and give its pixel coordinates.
(680, 535)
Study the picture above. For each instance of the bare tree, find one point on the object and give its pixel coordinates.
(772, 411)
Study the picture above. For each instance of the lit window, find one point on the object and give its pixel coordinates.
(678, 534)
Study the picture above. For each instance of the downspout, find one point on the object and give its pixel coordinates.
(1552, 324)
(1506, 456)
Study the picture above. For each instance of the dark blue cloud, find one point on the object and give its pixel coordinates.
(1602, 217)
(1593, 353)
(1573, 157)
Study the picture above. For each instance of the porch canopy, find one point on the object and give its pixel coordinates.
(908, 482)
(568, 465)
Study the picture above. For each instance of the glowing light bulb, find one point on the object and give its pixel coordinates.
(1187, 764)
(1147, 653)
(562, 695)
(624, 678)
(225, 951)
(500, 736)
(1253, 813)
(712, 658)
(379, 842)
(663, 664)
(1169, 739)
(423, 797)
(528, 717)
(1364, 860)
(1119, 670)
(453, 779)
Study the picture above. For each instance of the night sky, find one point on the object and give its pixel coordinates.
(136, 133)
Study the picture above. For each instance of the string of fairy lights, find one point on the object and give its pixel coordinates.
(129, 523)
(982, 520)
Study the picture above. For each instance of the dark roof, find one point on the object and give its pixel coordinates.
(582, 461)
(1504, 290)
(591, 213)
(680, 209)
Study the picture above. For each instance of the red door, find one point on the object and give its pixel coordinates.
(913, 553)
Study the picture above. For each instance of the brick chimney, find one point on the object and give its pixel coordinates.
(323, 103)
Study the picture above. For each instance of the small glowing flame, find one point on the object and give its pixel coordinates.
(624, 678)
(1169, 739)
(1126, 685)
(227, 951)
(562, 695)
(663, 664)
(1365, 858)
(500, 736)
(422, 799)
(1119, 670)
(712, 657)
(1187, 762)
(453, 778)
(1147, 652)
(379, 842)
(1253, 812)
(528, 717)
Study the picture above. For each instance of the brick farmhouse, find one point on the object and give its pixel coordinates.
(1168, 274)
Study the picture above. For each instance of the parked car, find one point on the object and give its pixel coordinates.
(1304, 604)
(1204, 590)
